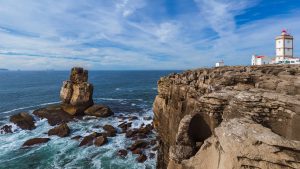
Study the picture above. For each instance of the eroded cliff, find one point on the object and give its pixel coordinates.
(229, 117)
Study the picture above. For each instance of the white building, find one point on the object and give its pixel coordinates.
(284, 45)
(260, 60)
(220, 64)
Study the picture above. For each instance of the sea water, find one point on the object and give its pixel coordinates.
(126, 92)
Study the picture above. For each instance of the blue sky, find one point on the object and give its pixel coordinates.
(141, 34)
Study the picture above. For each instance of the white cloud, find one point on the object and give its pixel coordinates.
(120, 34)
(128, 7)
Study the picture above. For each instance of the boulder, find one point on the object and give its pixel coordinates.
(124, 126)
(137, 151)
(151, 155)
(141, 158)
(23, 120)
(6, 129)
(138, 144)
(146, 130)
(110, 130)
(54, 114)
(88, 140)
(35, 141)
(101, 140)
(122, 153)
(99, 111)
(62, 130)
(141, 132)
(130, 133)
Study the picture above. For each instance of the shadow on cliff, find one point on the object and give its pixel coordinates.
(198, 130)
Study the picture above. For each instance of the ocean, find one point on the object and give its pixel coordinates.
(125, 92)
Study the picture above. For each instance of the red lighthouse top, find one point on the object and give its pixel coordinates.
(284, 32)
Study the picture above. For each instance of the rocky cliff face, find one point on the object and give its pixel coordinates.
(229, 117)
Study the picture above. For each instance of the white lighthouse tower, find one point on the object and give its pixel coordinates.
(284, 47)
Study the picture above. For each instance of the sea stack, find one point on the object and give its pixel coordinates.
(77, 93)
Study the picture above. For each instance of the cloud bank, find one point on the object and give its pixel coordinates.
(138, 34)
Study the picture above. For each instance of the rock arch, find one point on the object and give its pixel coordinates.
(199, 130)
(192, 130)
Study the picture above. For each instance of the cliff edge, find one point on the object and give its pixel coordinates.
(229, 117)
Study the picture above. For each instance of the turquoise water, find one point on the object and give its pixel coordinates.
(126, 92)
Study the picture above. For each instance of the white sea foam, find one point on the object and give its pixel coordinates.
(113, 99)
(22, 108)
(65, 153)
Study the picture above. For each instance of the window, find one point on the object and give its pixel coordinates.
(292, 61)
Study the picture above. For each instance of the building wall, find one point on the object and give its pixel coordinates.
(288, 43)
(288, 52)
(279, 43)
(279, 52)
(284, 47)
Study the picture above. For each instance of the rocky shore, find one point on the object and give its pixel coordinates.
(229, 117)
(77, 104)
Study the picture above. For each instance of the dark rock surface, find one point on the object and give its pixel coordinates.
(88, 140)
(100, 140)
(23, 120)
(138, 144)
(62, 130)
(110, 130)
(140, 132)
(141, 158)
(99, 111)
(122, 153)
(6, 129)
(124, 126)
(54, 114)
(35, 141)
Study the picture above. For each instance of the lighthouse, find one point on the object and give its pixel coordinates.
(284, 47)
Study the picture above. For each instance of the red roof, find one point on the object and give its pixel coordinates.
(259, 56)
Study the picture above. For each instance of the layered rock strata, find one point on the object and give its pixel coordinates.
(229, 117)
(77, 94)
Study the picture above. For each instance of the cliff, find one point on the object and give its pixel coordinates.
(229, 117)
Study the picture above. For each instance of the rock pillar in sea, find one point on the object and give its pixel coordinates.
(77, 93)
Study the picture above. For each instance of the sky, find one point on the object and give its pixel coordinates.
(141, 34)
